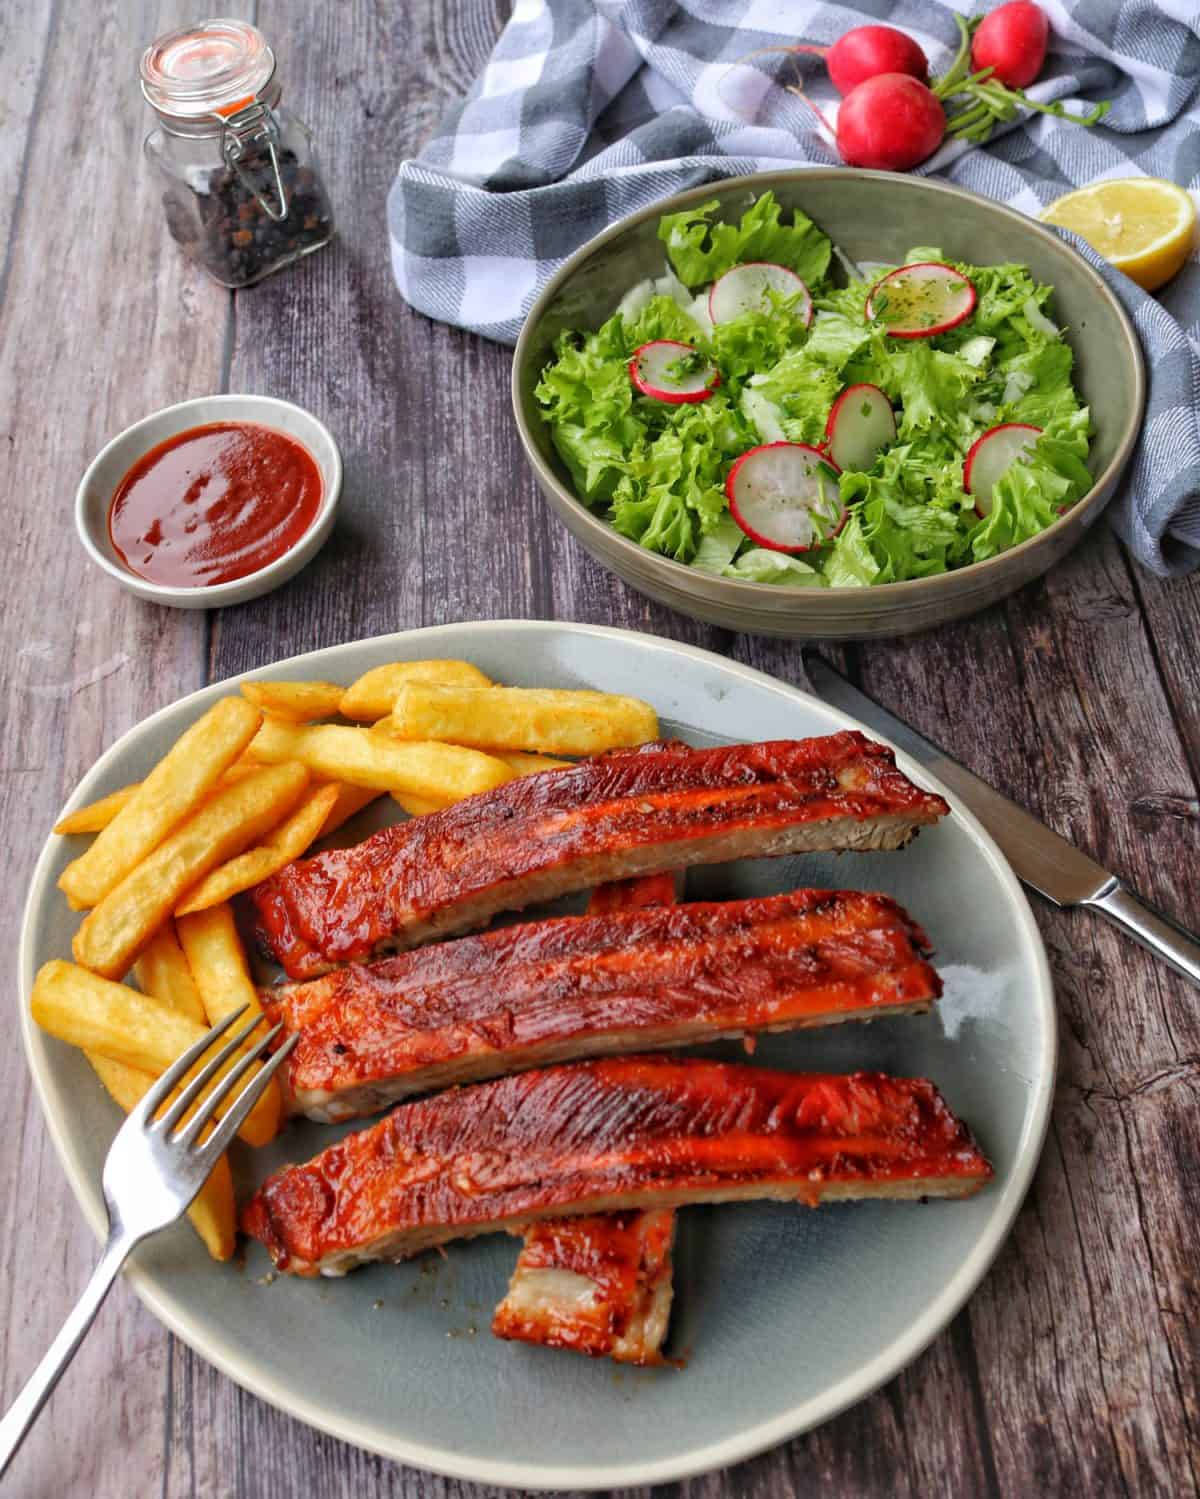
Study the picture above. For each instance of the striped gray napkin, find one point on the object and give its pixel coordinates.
(590, 109)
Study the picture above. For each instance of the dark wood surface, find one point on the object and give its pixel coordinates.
(1074, 1370)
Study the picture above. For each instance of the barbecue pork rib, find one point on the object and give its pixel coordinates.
(578, 986)
(612, 1135)
(619, 815)
(600, 1285)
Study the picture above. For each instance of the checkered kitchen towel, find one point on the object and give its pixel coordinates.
(589, 109)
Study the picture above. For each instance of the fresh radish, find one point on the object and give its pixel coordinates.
(861, 423)
(676, 373)
(920, 300)
(1012, 42)
(784, 495)
(746, 288)
(991, 456)
(868, 51)
(891, 122)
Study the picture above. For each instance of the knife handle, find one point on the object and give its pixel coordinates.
(1164, 937)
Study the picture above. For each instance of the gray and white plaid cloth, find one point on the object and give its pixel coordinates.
(590, 109)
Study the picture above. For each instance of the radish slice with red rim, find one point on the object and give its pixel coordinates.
(674, 372)
(991, 456)
(784, 495)
(748, 288)
(861, 424)
(920, 300)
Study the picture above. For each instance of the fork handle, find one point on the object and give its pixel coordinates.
(24, 1409)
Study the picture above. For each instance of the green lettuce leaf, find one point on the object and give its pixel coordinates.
(719, 546)
(672, 490)
(802, 391)
(760, 565)
(700, 250)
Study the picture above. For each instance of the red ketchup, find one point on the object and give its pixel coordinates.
(213, 504)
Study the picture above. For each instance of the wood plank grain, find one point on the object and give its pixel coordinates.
(1084, 1364)
(25, 32)
(102, 323)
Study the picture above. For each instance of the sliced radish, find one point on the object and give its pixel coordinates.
(861, 423)
(784, 495)
(990, 458)
(920, 300)
(677, 373)
(746, 288)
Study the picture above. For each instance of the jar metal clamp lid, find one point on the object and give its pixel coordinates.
(218, 79)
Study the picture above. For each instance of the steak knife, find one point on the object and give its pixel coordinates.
(1040, 858)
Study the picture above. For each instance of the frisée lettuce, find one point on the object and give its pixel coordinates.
(656, 468)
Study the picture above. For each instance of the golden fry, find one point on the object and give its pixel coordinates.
(213, 1213)
(162, 971)
(218, 963)
(417, 806)
(95, 815)
(522, 764)
(173, 789)
(530, 765)
(350, 801)
(134, 1029)
(113, 935)
(521, 718)
(372, 695)
(362, 757)
(300, 702)
(285, 843)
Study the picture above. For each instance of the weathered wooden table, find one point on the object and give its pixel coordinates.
(1075, 1368)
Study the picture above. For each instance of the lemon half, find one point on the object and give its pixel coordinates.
(1142, 225)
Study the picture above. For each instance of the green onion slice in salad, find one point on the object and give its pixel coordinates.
(658, 471)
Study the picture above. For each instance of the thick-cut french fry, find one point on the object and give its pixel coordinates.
(530, 765)
(134, 1029)
(162, 970)
(98, 815)
(300, 702)
(212, 1213)
(95, 815)
(350, 801)
(363, 757)
(417, 806)
(113, 935)
(285, 843)
(522, 764)
(173, 789)
(218, 963)
(521, 718)
(372, 695)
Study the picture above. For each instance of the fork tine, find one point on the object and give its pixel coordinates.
(219, 1140)
(197, 1085)
(204, 1116)
(179, 1069)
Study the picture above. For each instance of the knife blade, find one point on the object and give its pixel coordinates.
(1041, 858)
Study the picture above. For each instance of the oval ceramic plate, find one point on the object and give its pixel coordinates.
(786, 1315)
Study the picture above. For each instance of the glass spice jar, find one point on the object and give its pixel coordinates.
(244, 196)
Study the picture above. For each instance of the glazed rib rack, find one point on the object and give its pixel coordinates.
(612, 1135)
(617, 816)
(578, 986)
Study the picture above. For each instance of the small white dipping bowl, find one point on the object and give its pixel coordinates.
(98, 485)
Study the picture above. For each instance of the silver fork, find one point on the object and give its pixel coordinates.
(151, 1174)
